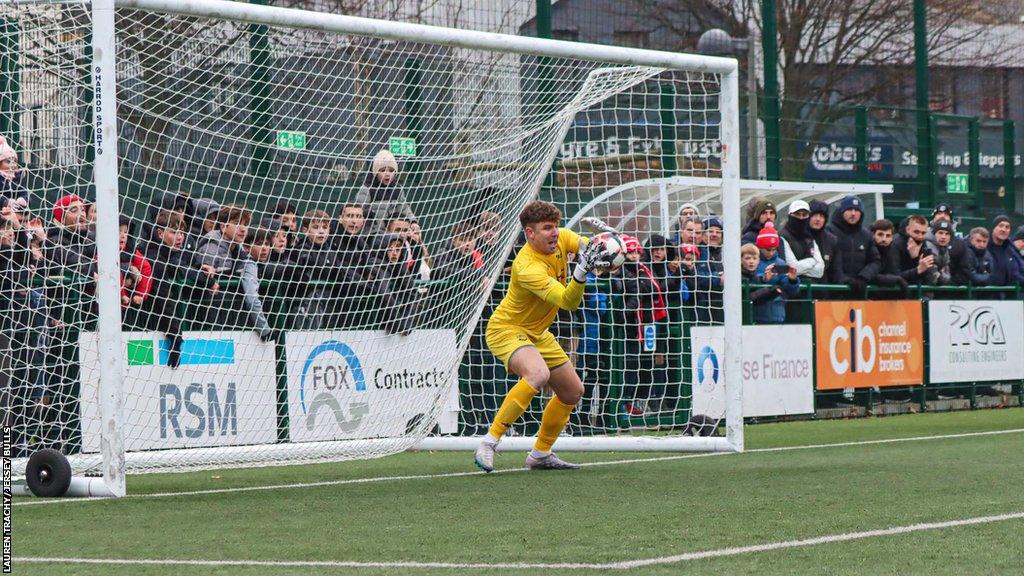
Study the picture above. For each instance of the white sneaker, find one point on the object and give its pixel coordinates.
(484, 456)
(549, 462)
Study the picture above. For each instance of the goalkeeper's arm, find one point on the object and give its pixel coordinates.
(535, 279)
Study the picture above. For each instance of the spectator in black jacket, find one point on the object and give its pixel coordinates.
(764, 211)
(861, 262)
(70, 248)
(643, 315)
(1018, 241)
(825, 241)
(978, 258)
(1007, 265)
(938, 245)
(882, 233)
(177, 278)
(914, 261)
(958, 264)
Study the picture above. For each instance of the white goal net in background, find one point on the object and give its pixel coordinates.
(290, 293)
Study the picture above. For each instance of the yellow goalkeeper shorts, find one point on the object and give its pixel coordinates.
(505, 340)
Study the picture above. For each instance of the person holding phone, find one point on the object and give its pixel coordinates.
(773, 270)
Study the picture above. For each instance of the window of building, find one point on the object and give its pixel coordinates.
(993, 95)
(630, 38)
(941, 93)
(565, 34)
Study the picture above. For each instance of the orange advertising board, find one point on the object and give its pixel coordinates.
(861, 344)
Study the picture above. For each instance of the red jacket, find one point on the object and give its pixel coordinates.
(145, 283)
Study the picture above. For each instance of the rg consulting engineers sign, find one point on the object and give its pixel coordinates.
(979, 341)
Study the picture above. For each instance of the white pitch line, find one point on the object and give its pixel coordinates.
(511, 470)
(623, 565)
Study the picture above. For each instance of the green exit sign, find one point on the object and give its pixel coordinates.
(402, 146)
(957, 183)
(291, 140)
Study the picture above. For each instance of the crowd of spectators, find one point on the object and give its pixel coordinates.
(362, 267)
(192, 262)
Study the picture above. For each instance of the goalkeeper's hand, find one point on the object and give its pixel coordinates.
(594, 256)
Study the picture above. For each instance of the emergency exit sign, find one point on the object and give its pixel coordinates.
(956, 183)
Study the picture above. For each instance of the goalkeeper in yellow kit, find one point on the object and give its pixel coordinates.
(517, 332)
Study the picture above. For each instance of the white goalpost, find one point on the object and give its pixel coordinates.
(263, 285)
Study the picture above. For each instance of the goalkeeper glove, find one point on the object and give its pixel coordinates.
(594, 257)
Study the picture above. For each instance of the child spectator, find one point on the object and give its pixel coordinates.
(316, 258)
(397, 287)
(12, 179)
(458, 262)
(643, 309)
(207, 210)
(136, 271)
(172, 264)
(978, 258)
(287, 216)
(382, 196)
(773, 271)
(224, 250)
(415, 254)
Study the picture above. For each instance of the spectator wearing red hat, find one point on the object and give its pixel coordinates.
(70, 247)
(774, 271)
(643, 313)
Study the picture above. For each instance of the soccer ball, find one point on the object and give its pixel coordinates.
(614, 244)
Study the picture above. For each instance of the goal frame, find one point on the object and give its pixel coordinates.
(110, 390)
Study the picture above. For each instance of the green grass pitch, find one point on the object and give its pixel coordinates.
(601, 514)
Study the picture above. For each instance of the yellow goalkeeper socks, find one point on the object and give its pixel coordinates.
(556, 416)
(516, 402)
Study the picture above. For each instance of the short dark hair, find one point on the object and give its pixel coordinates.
(285, 207)
(169, 219)
(234, 214)
(312, 216)
(351, 205)
(539, 211)
(883, 225)
(262, 236)
(917, 219)
(464, 231)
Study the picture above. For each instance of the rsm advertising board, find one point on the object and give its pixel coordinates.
(778, 370)
(221, 394)
(368, 384)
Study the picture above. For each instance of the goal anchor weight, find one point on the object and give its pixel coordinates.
(48, 475)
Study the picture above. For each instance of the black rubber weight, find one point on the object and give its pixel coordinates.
(48, 473)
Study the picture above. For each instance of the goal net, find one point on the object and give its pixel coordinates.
(315, 213)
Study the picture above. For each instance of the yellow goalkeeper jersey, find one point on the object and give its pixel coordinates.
(538, 287)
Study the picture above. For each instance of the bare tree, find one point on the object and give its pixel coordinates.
(833, 53)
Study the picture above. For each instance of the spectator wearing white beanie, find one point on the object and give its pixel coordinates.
(382, 196)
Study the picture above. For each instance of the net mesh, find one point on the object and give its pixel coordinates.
(291, 292)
